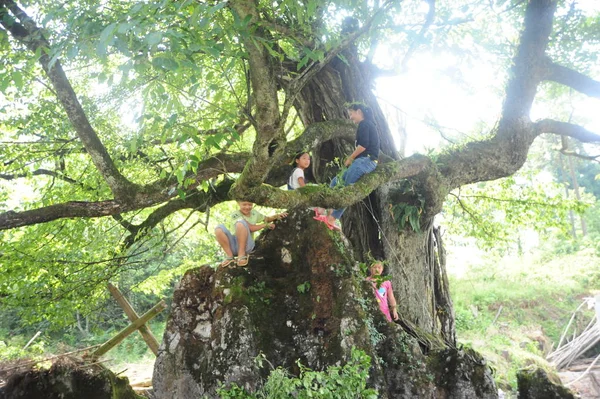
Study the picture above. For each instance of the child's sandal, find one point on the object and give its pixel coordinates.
(243, 260)
(330, 226)
(228, 261)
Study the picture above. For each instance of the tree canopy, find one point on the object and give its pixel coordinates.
(138, 111)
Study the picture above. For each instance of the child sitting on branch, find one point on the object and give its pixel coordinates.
(245, 221)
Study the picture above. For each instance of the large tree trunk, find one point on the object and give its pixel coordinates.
(415, 262)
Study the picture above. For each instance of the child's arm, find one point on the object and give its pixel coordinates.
(301, 182)
(259, 226)
(267, 222)
(273, 218)
(392, 303)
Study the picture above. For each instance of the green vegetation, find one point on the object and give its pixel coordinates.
(337, 382)
(513, 310)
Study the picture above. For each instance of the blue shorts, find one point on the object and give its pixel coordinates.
(233, 242)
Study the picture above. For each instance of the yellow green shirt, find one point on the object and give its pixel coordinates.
(255, 217)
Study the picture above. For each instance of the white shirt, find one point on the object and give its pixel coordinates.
(293, 182)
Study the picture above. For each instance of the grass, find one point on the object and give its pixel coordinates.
(514, 310)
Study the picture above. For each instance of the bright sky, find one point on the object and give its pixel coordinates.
(462, 100)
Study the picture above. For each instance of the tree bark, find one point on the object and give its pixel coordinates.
(415, 258)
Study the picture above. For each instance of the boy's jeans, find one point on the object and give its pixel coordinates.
(360, 166)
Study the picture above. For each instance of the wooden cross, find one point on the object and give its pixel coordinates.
(137, 323)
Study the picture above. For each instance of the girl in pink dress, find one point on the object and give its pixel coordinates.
(383, 292)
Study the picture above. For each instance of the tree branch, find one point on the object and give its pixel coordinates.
(568, 153)
(567, 129)
(268, 123)
(573, 79)
(31, 36)
(165, 189)
(505, 153)
(83, 209)
(336, 198)
(310, 71)
(39, 172)
(197, 200)
(415, 43)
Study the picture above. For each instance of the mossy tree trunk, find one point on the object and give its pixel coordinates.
(417, 269)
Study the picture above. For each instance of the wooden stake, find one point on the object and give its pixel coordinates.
(132, 315)
(32, 339)
(108, 345)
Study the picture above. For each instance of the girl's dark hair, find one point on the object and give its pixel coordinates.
(367, 112)
(297, 157)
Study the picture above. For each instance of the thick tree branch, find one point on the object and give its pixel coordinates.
(268, 123)
(568, 77)
(337, 198)
(529, 63)
(31, 36)
(506, 152)
(567, 129)
(73, 209)
(163, 190)
(82, 209)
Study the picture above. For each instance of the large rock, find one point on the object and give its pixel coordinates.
(301, 297)
(68, 378)
(535, 383)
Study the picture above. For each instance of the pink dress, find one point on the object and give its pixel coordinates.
(381, 294)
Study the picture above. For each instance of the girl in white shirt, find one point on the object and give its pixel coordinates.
(296, 180)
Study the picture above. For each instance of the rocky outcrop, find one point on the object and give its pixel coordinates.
(302, 297)
(536, 383)
(68, 379)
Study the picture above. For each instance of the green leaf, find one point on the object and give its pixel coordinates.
(107, 33)
(165, 63)
(154, 38)
(302, 62)
(17, 78)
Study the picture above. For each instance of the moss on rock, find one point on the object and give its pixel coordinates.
(536, 383)
(68, 378)
(302, 297)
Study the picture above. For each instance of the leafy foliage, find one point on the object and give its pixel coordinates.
(497, 213)
(347, 381)
(512, 327)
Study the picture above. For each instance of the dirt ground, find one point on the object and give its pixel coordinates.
(588, 387)
(135, 372)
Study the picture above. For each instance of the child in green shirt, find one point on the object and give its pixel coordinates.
(244, 223)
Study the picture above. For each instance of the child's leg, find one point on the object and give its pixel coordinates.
(244, 238)
(224, 239)
(361, 166)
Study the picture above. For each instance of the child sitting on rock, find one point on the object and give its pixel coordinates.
(245, 222)
(383, 292)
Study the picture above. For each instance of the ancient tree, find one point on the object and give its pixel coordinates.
(226, 93)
